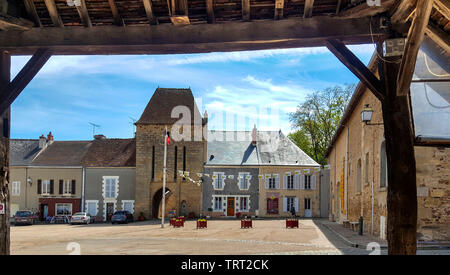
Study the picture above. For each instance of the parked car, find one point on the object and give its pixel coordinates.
(122, 217)
(24, 217)
(81, 217)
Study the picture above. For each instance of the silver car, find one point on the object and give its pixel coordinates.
(81, 218)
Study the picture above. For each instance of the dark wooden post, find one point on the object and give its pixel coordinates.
(5, 67)
(401, 162)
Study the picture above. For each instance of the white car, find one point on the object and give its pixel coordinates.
(81, 217)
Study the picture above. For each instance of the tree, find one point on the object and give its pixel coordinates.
(317, 118)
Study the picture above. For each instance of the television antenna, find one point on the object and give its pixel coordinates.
(93, 128)
(133, 124)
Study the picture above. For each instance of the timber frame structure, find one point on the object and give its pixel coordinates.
(58, 27)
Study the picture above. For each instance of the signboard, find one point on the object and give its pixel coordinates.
(2, 209)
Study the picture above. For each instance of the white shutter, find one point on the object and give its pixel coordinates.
(277, 181)
(296, 181)
(284, 204)
(266, 183)
(313, 182)
(285, 182)
(302, 182)
(296, 204)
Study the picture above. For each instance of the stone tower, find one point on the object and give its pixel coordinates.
(176, 109)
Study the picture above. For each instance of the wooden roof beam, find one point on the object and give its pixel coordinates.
(438, 36)
(84, 14)
(364, 10)
(15, 87)
(307, 12)
(279, 9)
(358, 68)
(443, 6)
(149, 11)
(210, 11)
(246, 10)
(11, 23)
(115, 13)
(32, 13)
(53, 12)
(412, 45)
(402, 12)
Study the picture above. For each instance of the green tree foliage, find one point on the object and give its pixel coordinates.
(317, 118)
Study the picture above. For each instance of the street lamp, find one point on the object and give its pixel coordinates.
(366, 115)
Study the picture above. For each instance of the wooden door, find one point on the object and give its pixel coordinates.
(308, 212)
(109, 210)
(230, 206)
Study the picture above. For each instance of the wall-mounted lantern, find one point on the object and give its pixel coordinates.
(366, 115)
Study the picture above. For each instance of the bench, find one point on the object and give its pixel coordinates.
(354, 226)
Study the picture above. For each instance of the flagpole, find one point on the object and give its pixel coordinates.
(163, 209)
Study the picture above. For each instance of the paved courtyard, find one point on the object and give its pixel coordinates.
(221, 237)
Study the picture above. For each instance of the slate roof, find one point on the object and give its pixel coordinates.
(23, 151)
(111, 153)
(272, 148)
(62, 153)
(163, 101)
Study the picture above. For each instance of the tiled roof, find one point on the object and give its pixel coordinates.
(63, 153)
(272, 148)
(163, 101)
(111, 153)
(23, 151)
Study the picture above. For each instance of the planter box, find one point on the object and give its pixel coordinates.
(291, 223)
(178, 223)
(183, 218)
(246, 223)
(202, 224)
(172, 221)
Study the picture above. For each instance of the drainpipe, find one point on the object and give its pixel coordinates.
(83, 182)
(346, 181)
(373, 201)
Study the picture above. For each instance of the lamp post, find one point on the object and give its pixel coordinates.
(366, 115)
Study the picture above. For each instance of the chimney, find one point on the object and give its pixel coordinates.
(50, 138)
(42, 142)
(254, 132)
(98, 137)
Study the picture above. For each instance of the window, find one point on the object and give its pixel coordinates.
(290, 204)
(67, 187)
(92, 207)
(290, 182)
(110, 187)
(63, 209)
(15, 188)
(244, 204)
(217, 203)
(46, 187)
(358, 176)
(218, 180)
(383, 166)
(128, 205)
(244, 181)
(367, 169)
(272, 205)
(308, 182)
(307, 204)
(272, 183)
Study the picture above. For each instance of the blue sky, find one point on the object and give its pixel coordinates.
(238, 89)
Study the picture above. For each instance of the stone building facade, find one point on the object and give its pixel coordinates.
(358, 172)
(182, 155)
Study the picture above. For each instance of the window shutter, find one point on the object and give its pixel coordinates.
(39, 186)
(277, 181)
(285, 179)
(313, 182)
(302, 182)
(52, 183)
(284, 204)
(296, 181)
(296, 204)
(266, 183)
(74, 184)
(61, 187)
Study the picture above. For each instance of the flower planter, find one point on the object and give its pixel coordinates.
(178, 223)
(291, 223)
(183, 218)
(172, 221)
(202, 224)
(246, 223)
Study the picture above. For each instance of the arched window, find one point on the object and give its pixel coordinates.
(383, 166)
(358, 176)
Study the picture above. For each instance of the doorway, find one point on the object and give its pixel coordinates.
(43, 212)
(230, 206)
(308, 212)
(109, 210)
(157, 199)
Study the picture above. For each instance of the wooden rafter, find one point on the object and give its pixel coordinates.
(338, 6)
(246, 10)
(53, 12)
(402, 12)
(438, 36)
(210, 11)
(115, 13)
(84, 14)
(8, 23)
(443, 6)
(412, 45)
(32, 13)
(149, 11)
(15, 87)
(364, 10)
(307, 12)
(279, 8)
(358, 68)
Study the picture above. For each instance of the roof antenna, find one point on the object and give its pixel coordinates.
(133, 123)
(93, 128)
